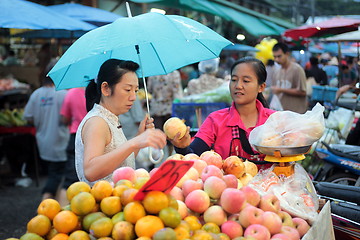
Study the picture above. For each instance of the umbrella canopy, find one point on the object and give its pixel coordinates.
(159, 43)
(240, 48)
(325, 28)
(28, 15)
(50, 33)
(345, 37)
(88, 14)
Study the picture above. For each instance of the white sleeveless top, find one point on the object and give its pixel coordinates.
(117, 139)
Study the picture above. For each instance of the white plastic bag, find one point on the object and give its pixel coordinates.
(290, 129)
(275, 103)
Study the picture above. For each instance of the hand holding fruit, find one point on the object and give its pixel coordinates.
(182, 142)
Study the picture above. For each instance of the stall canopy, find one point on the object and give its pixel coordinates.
(251, 21)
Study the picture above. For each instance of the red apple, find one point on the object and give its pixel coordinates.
(191, 185)
(301, 225)
(192, 173)
(252, 196)
(211, 170)
(286, 219)
(197, 201)
(280, 236)
(176, 156)
(153, 171)
(212, 158)
(232, 229)
(215, 214)
(272, 221)
(291, 232)
(250, 215)
(190, 157)
(231, 181)
(214, 187)
(258, 232)
(177, 193)
(234, 165)
(270, 202)
(124, 173)
(182, 209)
(199, 165)
(232, 200)
(142, 172)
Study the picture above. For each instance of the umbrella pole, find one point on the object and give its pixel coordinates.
(159, 153)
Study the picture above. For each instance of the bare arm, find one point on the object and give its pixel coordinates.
(96, 135)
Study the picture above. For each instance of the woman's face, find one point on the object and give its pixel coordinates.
(124, 93)
(244, 86)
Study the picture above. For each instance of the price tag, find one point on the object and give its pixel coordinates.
(165, 178)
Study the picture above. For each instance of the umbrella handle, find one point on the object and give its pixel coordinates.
(151, 156)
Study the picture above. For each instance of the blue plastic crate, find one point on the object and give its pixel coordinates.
(187, 111)
(323, 93)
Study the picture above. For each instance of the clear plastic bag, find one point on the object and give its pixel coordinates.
(290, 129)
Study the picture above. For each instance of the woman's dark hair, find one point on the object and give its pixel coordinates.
(111, 72)
(260, 71)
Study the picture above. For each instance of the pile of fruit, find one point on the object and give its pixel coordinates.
(211, 201)
(13, 117)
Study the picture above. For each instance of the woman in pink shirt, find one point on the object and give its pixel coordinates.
(226, 131)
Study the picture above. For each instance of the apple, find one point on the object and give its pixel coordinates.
(191, 185)
(199, 165)
(142, 172)
(245, 179)
(173, 126)
(234, 217)
(215, 214)
(272, 222)
(280, 236)
(257, 231)
(232, 229)
(190, 157)
(212, 158)
(250, 168)
(211, 170)
(291, 232)
(197, 201)
(301, 225)
(270, 202)
(232, 200)
(286, 219)
(252, 196)
(214, 187)
(250, 215)
(192, 173)
(234, 165)
(230, 180)
(176, 156)
(153, 171)
(182, 209)
(123, 173)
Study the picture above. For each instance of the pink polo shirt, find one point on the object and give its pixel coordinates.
(216, 131)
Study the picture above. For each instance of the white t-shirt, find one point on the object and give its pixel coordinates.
(52, 136)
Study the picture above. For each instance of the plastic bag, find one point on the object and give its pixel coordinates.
(296, 193)
(275, 103)
(290, 129)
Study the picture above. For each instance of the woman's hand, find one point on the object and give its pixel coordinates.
(182, 142)
(146, 123)
(150, 138)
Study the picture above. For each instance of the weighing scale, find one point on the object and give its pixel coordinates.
(283, 157)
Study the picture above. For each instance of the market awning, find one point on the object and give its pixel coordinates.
(251, 21)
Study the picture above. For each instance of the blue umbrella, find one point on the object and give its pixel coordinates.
(50, 33)
(28, 15)
(159, 43)
(88, 14)
(240, 48)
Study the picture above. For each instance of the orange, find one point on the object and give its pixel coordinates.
(211, 227)
(194, 223)
(110, 205)
(118, 190)
(143, 238)
(31, 236)
(76, 188)
(105, 238)
(170, 217)
(90, 218)
(49, 207)
(118, 217)
(123, 231)
(181, 233)
(101, 227)
(60, 236)
(82, 204)
(147, 226)
(201, 235)
(51, 233)
(65, 221)
(154, 201)
(223, 236)
(165, 234)
(172, 201)
(133, 211)
(101, 190)
(124, 182)
(128, 196)
(39, 224)
(79, 235)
